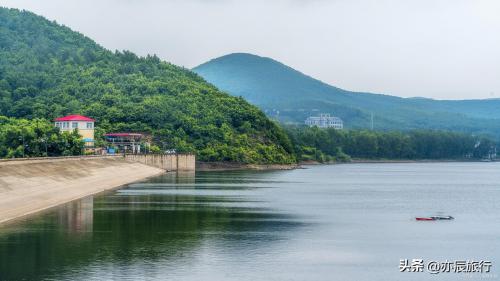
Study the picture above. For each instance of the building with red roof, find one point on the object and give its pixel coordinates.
(85, 126)
(74, 118)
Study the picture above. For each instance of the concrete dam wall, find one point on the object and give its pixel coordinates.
(28, 186)
(167, 162)
(33, 184)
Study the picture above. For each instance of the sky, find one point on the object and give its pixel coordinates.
(442, 49)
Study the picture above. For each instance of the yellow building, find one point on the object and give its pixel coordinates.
(85, 126)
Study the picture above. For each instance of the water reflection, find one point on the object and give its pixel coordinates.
(155, 222)
(341, 222)
(77, 217)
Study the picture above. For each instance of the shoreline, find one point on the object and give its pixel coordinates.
(231, 166)
(30, 187)
(418, 160)
(388, 161)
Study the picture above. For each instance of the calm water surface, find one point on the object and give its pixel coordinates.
(343, 222)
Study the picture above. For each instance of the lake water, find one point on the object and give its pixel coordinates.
(341, 222)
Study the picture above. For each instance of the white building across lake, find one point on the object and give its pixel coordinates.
(325, 121)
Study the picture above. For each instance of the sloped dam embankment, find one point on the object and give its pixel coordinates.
(28, 186)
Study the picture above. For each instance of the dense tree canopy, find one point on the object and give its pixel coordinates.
(330, 144)
(36, 138)
(48, 70)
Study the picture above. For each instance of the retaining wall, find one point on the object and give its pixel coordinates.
(167, 162)
(31, 185)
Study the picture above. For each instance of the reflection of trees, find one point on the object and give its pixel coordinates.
(126, 228)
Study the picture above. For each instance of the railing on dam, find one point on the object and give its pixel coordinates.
(167, 162)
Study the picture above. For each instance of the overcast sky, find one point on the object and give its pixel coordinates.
(430, 48)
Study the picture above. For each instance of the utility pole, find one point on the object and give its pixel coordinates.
(45, 140)
(22, 139)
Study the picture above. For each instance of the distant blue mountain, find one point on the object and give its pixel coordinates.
(291, 96)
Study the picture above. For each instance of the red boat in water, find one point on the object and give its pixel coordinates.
(434, 218)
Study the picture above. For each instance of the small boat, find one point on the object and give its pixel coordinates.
(434, 218)
(443, 218)
(424, 219)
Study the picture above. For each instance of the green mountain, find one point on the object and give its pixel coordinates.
(48, 70)
(291, 96)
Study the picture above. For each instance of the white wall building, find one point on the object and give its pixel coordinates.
(325, 121)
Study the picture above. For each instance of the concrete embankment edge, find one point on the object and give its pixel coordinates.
(31, 186)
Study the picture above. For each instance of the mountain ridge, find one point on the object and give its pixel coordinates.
(274, 86)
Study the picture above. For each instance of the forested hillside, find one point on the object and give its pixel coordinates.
(291, 96)
(36, 138)
(48, 70)
(325, 145)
